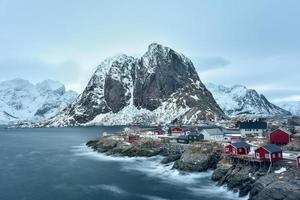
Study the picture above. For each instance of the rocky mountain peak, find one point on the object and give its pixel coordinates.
(161, 86)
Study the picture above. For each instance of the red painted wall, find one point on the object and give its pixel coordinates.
(279, 137)
(177, 130)
(263, 155)
(231, 149)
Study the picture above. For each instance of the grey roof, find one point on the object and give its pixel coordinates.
(272, 148)
(214, 131)
(240, 144)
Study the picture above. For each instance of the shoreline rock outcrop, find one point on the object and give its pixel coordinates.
(244, 178)
(199, 157)
(255, 181)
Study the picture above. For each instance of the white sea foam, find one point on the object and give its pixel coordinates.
(152, 167)
(150, 197)
(212, 190)
(111, 188)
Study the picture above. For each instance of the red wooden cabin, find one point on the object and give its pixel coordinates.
(280, 136)
(177, 130)
(268, 153)
(240, 148)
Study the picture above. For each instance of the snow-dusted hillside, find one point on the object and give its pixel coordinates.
(291, 106)
(21, 100)
(160, 87)
(238, 100)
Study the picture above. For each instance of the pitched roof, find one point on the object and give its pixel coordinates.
(253, 125)
(214, 131)
(240, 144)
(272, 148)
(286, 131)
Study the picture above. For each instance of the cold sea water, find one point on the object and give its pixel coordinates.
(55, 164)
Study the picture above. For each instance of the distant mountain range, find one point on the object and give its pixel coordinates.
(291, 106)
(160, 87)
(239, 100)
(22, 101)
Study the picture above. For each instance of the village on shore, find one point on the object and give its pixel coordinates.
(258, 157)
(253, 140)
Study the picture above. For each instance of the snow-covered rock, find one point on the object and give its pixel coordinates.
(291, 106)
(160, 87)
(238, 100)
(22, 101)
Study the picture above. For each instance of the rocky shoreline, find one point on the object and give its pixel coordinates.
(244, 178)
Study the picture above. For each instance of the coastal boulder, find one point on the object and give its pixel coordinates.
(199, 157)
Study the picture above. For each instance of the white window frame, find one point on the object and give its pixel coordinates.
(267, 155)
(257, 155)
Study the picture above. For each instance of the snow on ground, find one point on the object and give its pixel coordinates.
(282, 169)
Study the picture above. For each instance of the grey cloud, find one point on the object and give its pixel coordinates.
(36, 70)
(208, 63)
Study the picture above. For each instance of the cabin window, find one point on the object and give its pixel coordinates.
(257, 155)
(279, 155)
(274, 155)
(226, 149)
(267, 155)
(240, 150)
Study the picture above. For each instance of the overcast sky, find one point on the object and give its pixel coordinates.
(253, 43)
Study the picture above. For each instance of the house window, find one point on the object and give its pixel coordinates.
(226, 149)
(279, 155)
(257, 155)
(274, 155)
(240, 150)
(267, 155)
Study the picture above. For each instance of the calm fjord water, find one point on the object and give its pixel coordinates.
(54, 164)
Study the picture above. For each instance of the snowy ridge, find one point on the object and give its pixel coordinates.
(291, 106)
(238, 100)
(21, 100)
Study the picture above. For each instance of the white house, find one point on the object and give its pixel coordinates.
(253, 128)
(213, 134)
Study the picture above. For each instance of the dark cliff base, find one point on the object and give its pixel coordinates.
(254, 179)
(244, 178)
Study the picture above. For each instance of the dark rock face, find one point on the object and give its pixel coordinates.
(117, 145)
(253, 180)
(161, 77)
(199, 158)
(162, 72)
(285, 186)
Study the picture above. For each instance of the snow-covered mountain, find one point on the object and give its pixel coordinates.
(160, 87)
(238, 100)
(291, 106)
(21, 100)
